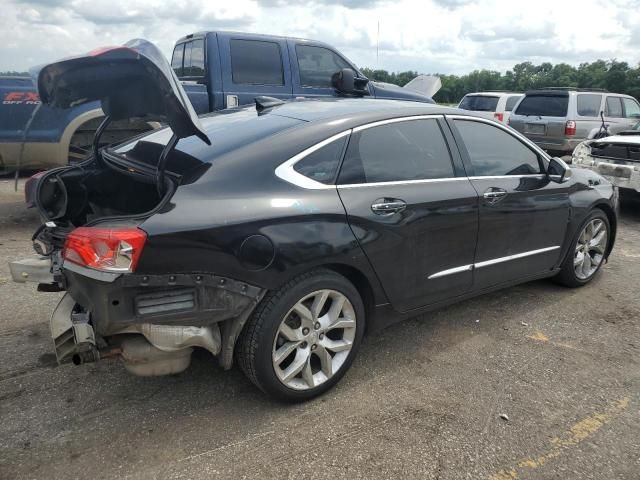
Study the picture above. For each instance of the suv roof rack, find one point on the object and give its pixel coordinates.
(574, 89)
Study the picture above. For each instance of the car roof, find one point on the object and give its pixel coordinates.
(493, 93)
(354, 109)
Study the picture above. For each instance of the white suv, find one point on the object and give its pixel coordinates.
(492, 105)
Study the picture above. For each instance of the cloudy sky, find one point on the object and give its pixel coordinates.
(444, 36)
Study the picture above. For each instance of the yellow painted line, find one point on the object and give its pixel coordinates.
(579, 432)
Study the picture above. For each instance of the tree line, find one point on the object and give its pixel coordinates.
(611, 75)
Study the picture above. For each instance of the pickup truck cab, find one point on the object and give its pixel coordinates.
(226, 69)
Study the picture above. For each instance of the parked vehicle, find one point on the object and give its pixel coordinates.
(218, 69)
(493, 105)
(281, 233)
(616, 158)
(226, 69)
(558, 119)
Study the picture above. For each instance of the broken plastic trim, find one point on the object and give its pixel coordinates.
(162, 163)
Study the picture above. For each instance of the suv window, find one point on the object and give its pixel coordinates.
(400, 151)
(317, 65)
(544, 105)
(511, 102)
(176, 59)
(588, 105)
(479, 103)
(493, 151)
(614, 107)
(322, 165)
(631, 108)
(256, 62)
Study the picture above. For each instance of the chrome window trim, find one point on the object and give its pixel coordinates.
(396, 120)
(286, 172)
(507, 129)
(487, 263)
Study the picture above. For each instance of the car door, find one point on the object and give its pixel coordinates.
(411, 209)
(631, 112)
(523, 216)
(312, 67)
(614, 114)
(252, 67)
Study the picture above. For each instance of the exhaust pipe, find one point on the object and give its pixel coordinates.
(86, 356)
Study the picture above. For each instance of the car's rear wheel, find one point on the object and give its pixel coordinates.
(303, 337)
(588, 251)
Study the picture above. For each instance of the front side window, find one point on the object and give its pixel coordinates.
(631, 108)
(400, 151)
(317, 65)
(176, 59)
(614, 107)
(256, 62)
(589, 104)
(511, 102)
(479, 103)
(322, 165)
(494, 152)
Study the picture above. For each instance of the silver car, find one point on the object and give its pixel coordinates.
(559, 119)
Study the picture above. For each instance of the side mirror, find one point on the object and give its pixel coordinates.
(558, 171)
(345, 81)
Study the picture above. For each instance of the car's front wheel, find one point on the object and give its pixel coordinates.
(588, 251)
(303, 337)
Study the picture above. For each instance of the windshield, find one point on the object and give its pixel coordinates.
(543, 105)
(479, 103)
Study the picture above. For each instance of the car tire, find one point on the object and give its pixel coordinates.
(292, 326)
(587, 253)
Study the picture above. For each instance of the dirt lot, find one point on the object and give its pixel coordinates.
(424, 399)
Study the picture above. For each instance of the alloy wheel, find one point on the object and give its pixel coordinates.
(314, 339)
(590, 249)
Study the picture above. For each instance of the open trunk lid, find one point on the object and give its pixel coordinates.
(134, 80)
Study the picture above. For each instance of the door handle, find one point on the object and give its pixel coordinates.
(494, 195)
(388, 206)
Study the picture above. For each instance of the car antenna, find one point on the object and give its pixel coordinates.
(162, 162)
(264, 102)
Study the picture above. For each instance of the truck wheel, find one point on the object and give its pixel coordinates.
(587, 252)
(303, 337)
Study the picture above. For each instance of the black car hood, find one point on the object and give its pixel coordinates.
(134, 80)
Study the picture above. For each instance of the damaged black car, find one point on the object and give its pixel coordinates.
(275, 236)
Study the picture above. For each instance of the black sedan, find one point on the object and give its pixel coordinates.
(279, 234)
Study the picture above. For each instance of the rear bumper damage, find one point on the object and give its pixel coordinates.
(624, 175)
(152, 322)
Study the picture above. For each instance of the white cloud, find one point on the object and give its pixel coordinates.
(445, 36)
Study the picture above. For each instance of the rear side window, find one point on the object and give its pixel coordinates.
(256, 62)
(176, 59)
(479, 103)
(322, 165)
(194, 59)
(544, 105)
(631, 108)
(614, 107)
(317, 65)
(588, 105)
(511, 102)
(400, 151)
(493, 151)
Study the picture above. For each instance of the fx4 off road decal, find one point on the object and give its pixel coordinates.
(17, 98)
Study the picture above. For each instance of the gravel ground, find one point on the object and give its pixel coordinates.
(534, 382)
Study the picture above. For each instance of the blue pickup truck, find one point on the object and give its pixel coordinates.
(218, 70)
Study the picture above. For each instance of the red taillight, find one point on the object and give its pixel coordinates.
(498, 116)
(570, 128)
(106, 249)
